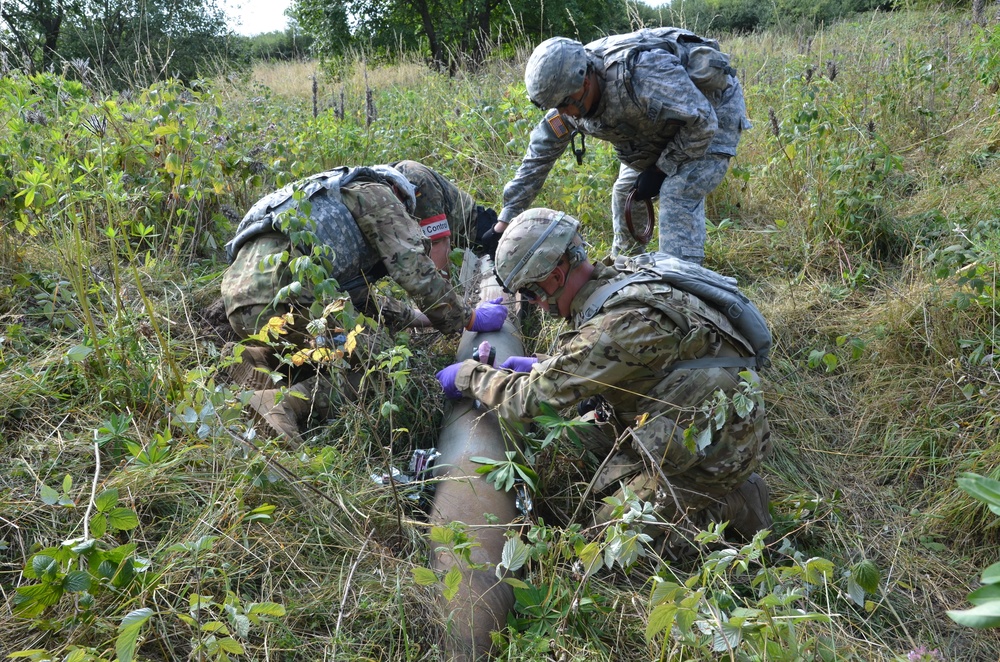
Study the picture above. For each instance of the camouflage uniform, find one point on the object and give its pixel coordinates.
(624, 354)
(653, 114)
(378, 238)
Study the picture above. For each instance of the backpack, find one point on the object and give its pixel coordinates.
(714, 289)
(706, 65)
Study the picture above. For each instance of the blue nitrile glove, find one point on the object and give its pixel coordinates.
(519, 363)
(647, 185)
(446, 377)
(488, 316)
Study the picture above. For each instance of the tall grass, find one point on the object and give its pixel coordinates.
(861, 212)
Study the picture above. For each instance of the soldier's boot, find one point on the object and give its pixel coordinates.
(281, 412)
(253, 371)
(746, 508)
(293, 406)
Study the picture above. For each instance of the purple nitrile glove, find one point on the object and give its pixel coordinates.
(489, 316)
(519, 363)
(446, 377)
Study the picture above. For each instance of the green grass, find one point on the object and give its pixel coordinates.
(874, 142)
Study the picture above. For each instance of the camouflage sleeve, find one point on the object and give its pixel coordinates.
(663, 86)
(436, 196)
(397, 238)
(396, 315)
(588, 362)
(545, 146)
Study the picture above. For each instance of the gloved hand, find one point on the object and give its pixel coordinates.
(486, 237)
(647, 185)
(488, 316)
(519, 363)
(446, 377)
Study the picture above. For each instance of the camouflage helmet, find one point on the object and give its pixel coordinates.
(555, 70)
(532, 246)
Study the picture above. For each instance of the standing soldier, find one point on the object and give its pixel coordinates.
(671, 105)
(371, 222)
(640, 354)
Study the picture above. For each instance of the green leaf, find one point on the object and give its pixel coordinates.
(98, 525)
(513, 556)
(67, 483)
(452, 580)
(744, 405)
(241, 624)
(867, 575)
(660, 619)
(230, 645)
(128, 633)
(78, 353)
(984, 489)
(854, 591)
(49, 496)
(44, 567)
(263, 512)
(515, 582)
(77, 581)
(266, 609)
(590, 557)
(830, 361)
(123, 519)
(135, 617)
(34, 652)
(992, 574)
(726, 638)
(106, 500)
(215, 626)
(982, 616)
(817, 569)
(985, 594)
(424, 576)
(442, 535)
(665, 592)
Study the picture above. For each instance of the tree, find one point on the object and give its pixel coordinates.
(450, 31)
(326, 23)
(33, 28)
(133, 42)
(126, 41)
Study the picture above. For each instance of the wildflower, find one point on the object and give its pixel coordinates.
(921, 654)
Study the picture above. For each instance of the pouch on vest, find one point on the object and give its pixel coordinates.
(663, 442)
(708, 68)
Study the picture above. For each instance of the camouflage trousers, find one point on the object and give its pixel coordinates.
(652, 462)
(682, 208)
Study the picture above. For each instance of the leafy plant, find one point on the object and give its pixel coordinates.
(986, 612)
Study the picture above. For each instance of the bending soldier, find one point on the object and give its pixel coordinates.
(379, 221)
(640, 353)
(670, 104)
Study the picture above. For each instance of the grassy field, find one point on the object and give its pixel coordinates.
(139, 518)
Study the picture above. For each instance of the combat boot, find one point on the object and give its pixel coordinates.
(282, 416)
(746, 508)
(294, 407)
(253, 371)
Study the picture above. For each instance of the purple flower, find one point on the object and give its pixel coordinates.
(921, 654)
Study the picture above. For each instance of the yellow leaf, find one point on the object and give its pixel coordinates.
(641, 419)
(335, 307)
(276, 326)
(300, 357)
(352, 339)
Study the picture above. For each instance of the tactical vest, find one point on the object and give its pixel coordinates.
(716, 300)
(332, 222)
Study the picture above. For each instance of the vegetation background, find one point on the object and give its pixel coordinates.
(141, 518)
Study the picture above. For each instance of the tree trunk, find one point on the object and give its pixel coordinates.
(437, 49)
